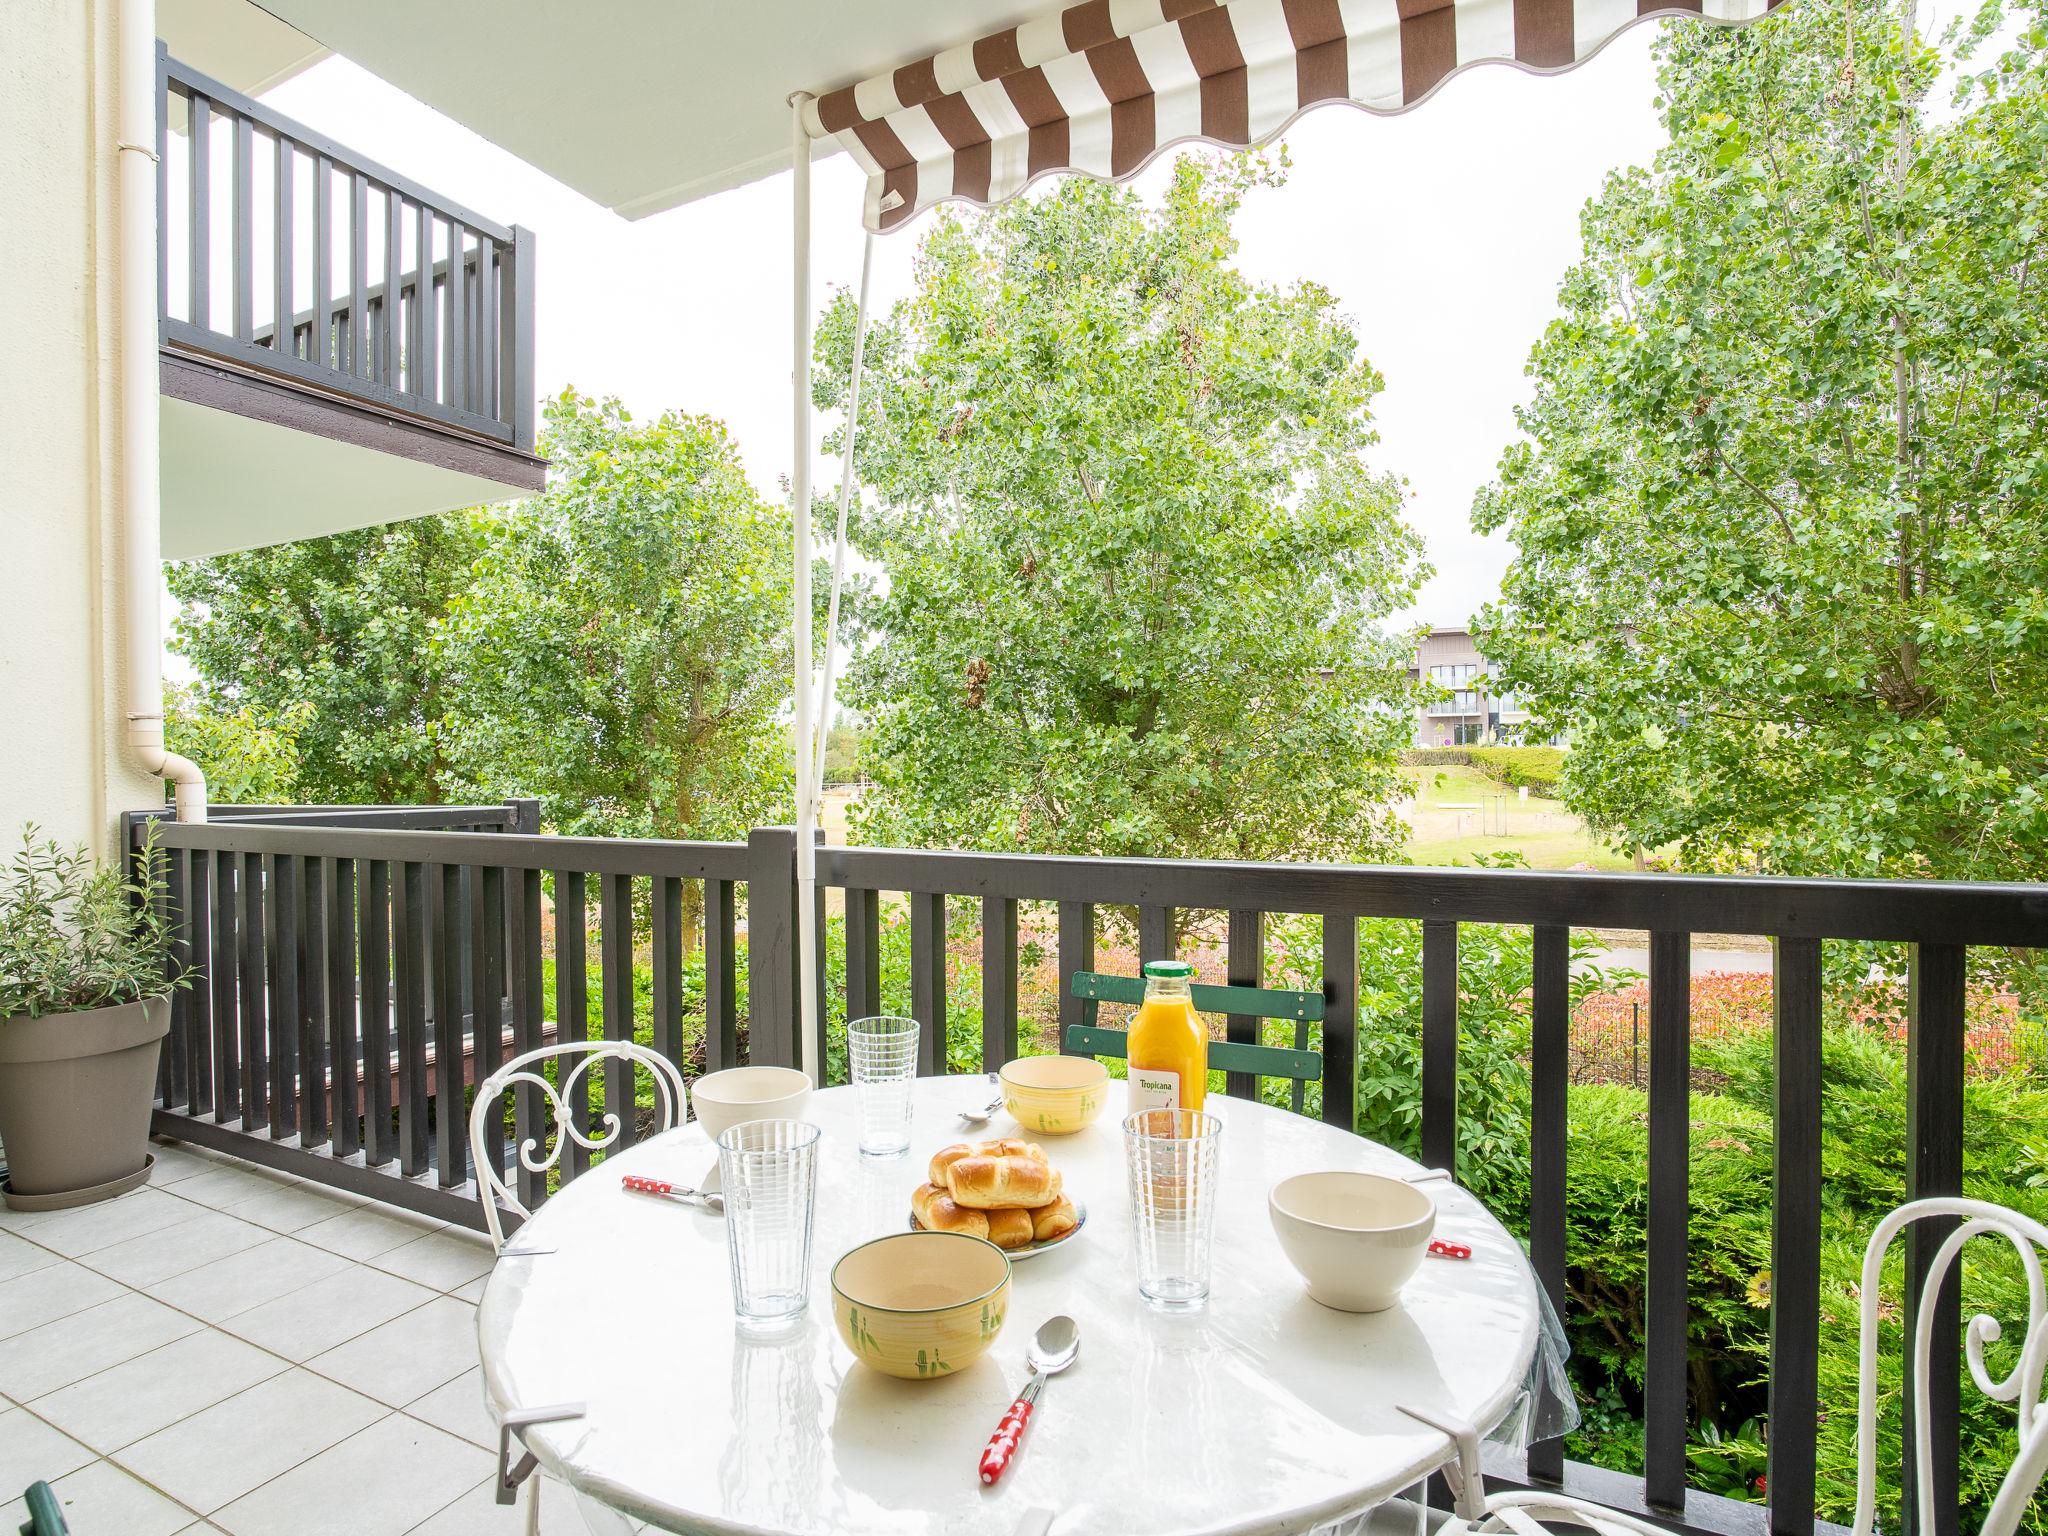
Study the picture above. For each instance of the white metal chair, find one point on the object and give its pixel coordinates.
(539, 1152)
(1523, 1511)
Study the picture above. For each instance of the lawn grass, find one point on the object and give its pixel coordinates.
(1542, 831)
(1543, 850)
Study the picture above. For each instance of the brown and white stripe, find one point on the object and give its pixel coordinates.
(1104, 86)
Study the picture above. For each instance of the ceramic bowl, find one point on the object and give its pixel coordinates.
(1055, 1095)
(921, 1304)
(1355, 1237)
(726, 1099)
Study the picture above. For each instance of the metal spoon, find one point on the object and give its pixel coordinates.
(682, 1194)
(981, 1116)
(1052, 1350)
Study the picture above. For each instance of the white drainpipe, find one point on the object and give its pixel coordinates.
(142, 540)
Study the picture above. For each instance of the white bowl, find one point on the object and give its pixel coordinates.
(726, 1099)
(1355, 1237)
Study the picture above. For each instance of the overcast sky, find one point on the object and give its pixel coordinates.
(1443, 233)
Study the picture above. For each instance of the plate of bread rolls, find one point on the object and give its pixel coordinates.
(1006, 1191)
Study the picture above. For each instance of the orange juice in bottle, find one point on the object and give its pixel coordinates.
(1168, 1044)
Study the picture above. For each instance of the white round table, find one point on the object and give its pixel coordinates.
(1264, 1415)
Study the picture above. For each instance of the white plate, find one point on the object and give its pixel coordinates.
(1033, 1250)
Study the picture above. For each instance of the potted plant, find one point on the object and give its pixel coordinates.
(85, 984)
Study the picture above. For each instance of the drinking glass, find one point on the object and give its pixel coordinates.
(1176, 1182)
(883, 1052)
(768, 1174)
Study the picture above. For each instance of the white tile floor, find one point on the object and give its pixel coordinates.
(232, 1350)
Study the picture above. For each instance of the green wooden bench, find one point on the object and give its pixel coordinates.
(44, 1517)
(1296, 1063)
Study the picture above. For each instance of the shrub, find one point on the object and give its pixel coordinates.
(1863, 1141)
(1533, 768)
(1435, 757)
(1728, 1257)
(75, 934)
(1494, 965)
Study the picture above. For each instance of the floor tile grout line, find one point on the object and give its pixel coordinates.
(284, 1364)
(208, 1515)
(488, 1482)
(221, 1328)
(99, 1456)
(389, 1413)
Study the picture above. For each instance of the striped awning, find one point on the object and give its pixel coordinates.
(1103, 87)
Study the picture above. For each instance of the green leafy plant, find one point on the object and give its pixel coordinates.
(1140, 580)
(1776, 497)
(76, 934)
(1535, 769)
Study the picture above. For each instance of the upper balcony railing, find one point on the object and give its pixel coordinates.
(283, 252)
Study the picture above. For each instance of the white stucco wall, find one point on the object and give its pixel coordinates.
(62, 763)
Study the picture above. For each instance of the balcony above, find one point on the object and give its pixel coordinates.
(339, 346)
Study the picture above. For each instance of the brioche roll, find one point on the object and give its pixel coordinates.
(936, 1211)
(1010, 1229)
(1002, 1183)
(1052, 1221)
(946, 1157)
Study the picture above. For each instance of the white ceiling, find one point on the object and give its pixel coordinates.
(234, 42)
(232, 482)
(639, 104)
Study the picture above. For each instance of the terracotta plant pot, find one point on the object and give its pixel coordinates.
(75, 1095)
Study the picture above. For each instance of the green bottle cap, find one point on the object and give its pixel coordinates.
(1175, 970)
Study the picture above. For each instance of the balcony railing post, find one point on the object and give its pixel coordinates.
(1246, 951)
(1549, 1110)
(1340, 1018)
(515, 340)
(1077, 953)
(1795, 1235)
(1934, 1166)
(1667, 1304)
(771, 946)
(1440, 1045)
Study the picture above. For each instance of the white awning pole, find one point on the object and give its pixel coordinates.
(860, 338)
(809, 1035)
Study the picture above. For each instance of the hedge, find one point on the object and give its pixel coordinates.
(1533, 768)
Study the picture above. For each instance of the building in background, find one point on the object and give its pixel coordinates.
(1475, 714)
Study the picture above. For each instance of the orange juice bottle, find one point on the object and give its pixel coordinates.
(1168, 1045)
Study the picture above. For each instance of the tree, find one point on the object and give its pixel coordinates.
(248, 759)
(1136, 569)
(622, 649)
(338, 630)
(1779, 515)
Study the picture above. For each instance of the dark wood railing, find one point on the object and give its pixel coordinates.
(361, 954)
(336, 273)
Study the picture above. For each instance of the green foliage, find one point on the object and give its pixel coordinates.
(1778, 508)
(249, 758)
(330, 641)
(1535, 769)
(963, 989)
(617, 645)
(621, 648)
(1729, 1226)
(76, 934)
(1137, 573)
(1863, 1140)
(844, 753)
(1435, 757)
(1493, 1038)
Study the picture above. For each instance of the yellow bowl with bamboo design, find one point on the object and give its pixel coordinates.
(920, 1305)
(1055, 1095)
